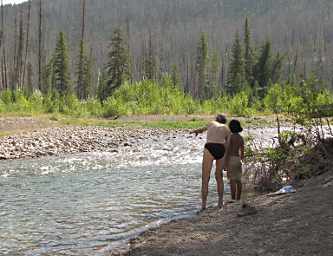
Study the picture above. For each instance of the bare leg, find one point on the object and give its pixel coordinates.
(238, 190)
(233, 189)
(219, 181)
(207, 164)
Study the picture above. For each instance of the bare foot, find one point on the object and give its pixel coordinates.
(201, 210)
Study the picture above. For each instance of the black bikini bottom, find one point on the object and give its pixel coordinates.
(217, 150)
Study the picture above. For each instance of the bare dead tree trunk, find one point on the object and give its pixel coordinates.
(3, 85)
(40, 48)
(80, 82)
(20, 51)
(27, 41)
(13, 71)
(3, 60)
(83, 25)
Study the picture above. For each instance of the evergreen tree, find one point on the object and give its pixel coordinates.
(48, 78)
(201, 67)
(276, 68)
(117, 68)
(101, 85)
(263, 68)
(248, 54)
(175, 76)
(83, 74)
(61, 67)
(214, 67)
(88, 77)
(236, 76)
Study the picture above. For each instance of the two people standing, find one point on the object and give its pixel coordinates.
(225, 146)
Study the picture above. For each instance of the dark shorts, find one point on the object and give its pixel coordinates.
(217, 150)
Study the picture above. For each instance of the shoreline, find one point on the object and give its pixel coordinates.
(274, 230)
(213, 231)
(33, 137)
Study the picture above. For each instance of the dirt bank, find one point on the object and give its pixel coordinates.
(293, 224)
(297, 224)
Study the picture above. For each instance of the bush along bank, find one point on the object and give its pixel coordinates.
(149, 97)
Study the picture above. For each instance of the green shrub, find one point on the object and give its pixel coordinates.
(240, 104)
(148, 97)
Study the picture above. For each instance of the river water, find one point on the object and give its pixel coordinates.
(83, 204)
(89, 204)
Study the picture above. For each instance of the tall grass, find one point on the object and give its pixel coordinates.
(149, 97)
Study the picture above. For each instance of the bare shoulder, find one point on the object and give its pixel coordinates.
(211, 123)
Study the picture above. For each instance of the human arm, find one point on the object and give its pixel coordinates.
(227, 153)
(242, 150)
(199, 131)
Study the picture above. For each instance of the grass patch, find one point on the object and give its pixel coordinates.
(131, 124)
(4, 134)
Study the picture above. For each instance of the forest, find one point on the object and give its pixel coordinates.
(112, 57)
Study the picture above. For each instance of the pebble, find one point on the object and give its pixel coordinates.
(57, 141)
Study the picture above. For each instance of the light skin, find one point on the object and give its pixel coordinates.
(236, 150)
(207, 164)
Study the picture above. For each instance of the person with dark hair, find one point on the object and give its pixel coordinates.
(233, 159)
(217, 135)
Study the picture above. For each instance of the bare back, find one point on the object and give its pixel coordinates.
(235, 145)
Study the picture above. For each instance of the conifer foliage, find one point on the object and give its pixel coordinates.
(201, 68)
(61, 67)
(117, 68)
(248, 53)
(84, 74)
(236, 70)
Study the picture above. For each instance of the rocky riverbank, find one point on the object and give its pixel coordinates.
(300, 223)
(69, 140)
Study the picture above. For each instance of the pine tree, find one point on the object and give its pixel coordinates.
(83, 74)
(117, 68)
(214, 67)
(263, 68)
(276, 68)
(201, 67)
(88, 78)
(248, 54)
(175, 76)
(101, 85)
(48, 78)
(129, 55)
(61, 67)
(236, 74)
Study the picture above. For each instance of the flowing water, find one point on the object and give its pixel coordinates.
(88, 204)
(83, 204)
